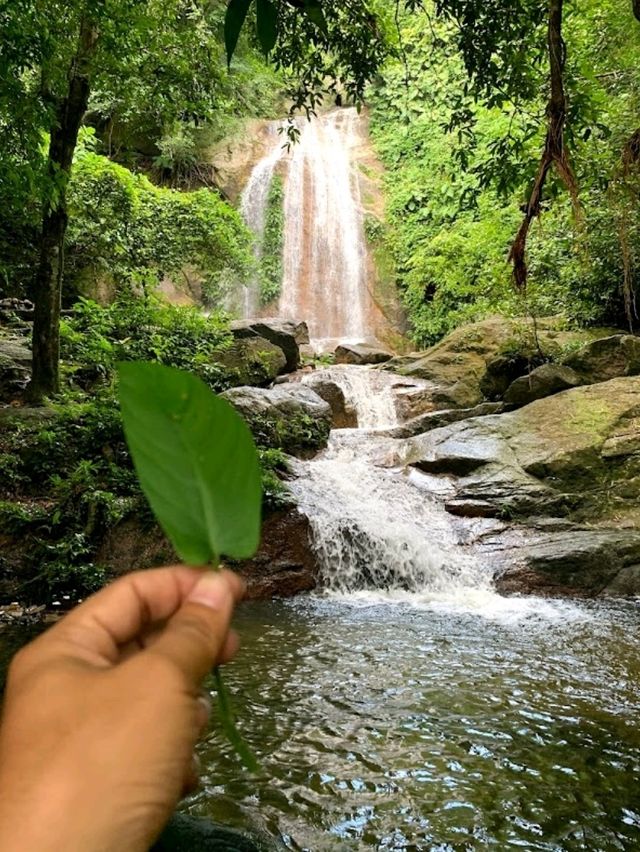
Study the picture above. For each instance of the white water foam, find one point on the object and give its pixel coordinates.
(325, 254)
(381, 539)
(370, 392)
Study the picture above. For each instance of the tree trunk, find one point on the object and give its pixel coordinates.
(48, 282)
(554, 153)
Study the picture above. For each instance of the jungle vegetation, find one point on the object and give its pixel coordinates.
(510, 133)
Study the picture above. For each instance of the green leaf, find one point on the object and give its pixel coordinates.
(267, 24)
(233, 21)
(196, 462)
(313, 10)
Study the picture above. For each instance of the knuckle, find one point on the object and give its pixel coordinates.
(199, 632)
(22, 661)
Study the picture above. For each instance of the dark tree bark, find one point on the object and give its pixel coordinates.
(636, 8)
(48, 283)
(554, 153)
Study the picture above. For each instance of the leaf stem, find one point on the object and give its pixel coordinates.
(227, 719)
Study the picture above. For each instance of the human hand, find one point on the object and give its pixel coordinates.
(102, 712)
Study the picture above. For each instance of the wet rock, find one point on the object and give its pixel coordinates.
(435, 419)
(343, 416)
(15, 367)
(16, 309)
(586, 561)
(285, 334)
(607, 358)
(546, 380)
(191, 834)
(285, 564)
(292, 417)
(502, 371)
(255, 360)
(549, 457)
(361, 353)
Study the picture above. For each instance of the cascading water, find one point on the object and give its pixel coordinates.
(325, 260)
(325, 255)
(372, 527)
(253, 208)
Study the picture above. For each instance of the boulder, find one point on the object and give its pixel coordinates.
(504, 369)
(577, 448)
(285, 334)
(360, 353)
(15, 367)
(254, 360)
(479, 361)
(292, 417)
(545, 380)
(607, 358)
(435, 419)
(285, 564)
(16, 309)
(192, 834)
(343, 416)
(586, 561)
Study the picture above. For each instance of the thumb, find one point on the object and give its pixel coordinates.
(195, 635)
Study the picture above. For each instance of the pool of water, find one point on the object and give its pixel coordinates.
(395, 723)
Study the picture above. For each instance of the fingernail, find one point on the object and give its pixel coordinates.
(210, 590)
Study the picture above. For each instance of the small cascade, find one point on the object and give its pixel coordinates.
(325, 254)
(370, 392)
(253, 208)
(373, 529)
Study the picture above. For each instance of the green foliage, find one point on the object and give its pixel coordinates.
(178, 155)
(274, 466)
(95, 338)
(66, 477)
(68, 480)
(453, 199)
(196, 462)
(271, 264)
(123, 227)
(289, 433)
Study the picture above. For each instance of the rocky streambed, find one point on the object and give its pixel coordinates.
(525, 447)
(538, 475)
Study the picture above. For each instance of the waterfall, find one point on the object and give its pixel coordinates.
(373, 527)
(325, 255)
(325, 260)
(253, 208)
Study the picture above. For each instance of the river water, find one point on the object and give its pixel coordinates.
(408, 706)
(412, 727)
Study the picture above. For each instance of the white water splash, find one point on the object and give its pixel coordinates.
(380, 537)
(325, 256)
(253, 208)
(372, 529)
(371, 392)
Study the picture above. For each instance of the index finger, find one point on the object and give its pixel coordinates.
(121, 612)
